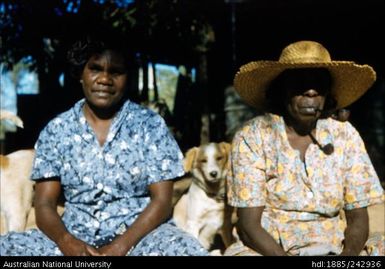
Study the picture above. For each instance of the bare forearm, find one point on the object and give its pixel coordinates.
(49, 222)
(356, 232)
(262, 242)
(254, 235)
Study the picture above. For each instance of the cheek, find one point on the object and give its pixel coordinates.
(291, 104)
(121, 84)
(86, 87)
(86, 80)
(322, 101)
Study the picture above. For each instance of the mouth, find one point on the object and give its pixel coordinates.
(102, 93)
(213, 180)
(308, 110)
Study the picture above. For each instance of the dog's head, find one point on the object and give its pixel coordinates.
(208, 163)
(8, 115)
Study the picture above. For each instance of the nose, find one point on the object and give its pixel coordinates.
(214, 174)
(311, 93)
(104, 78)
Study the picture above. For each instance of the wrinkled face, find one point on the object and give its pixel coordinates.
(104, 79)
(306, 92)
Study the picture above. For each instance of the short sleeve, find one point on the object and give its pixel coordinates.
(47, 161)
(362, 186)
(246, 179)
(163, 158)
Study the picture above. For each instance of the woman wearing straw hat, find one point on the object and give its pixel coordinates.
(294, 169)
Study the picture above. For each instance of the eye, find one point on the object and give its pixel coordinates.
(219, 158)
(203, 160)
(94, 68)
(117, 71)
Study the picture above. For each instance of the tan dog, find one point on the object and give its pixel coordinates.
(16, 189)
(201, 211)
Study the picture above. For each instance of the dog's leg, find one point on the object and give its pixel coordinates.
(16, 222)
(193, 227)
(194, 211)
(17, 208)
(207, 234)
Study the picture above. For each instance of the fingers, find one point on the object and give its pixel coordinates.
(93, 251)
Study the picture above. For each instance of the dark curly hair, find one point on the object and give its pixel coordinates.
(95, 43)
(276, 96)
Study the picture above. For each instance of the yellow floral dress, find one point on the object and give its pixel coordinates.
(302, 200)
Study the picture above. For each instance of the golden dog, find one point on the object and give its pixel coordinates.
(202, 211)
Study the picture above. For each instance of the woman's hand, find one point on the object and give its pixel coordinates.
(115, 248)
(71, 246)
(154, 214)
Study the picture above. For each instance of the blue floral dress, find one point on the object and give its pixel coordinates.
(106, 187)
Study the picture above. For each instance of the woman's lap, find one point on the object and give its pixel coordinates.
(29, 243)
(166, 240)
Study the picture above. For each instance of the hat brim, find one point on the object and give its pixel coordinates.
(350, 80)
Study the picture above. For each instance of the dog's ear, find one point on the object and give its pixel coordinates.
(188, 160)
(7, 115)
(225, 147)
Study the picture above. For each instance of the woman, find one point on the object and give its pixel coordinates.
(114, 161)
(294, 169)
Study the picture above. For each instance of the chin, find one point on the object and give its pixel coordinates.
(310, 121)
(101, 104)
(307, 117)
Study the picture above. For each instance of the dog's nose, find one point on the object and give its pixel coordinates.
(214, 173)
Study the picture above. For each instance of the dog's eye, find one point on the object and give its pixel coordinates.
(219, 158)
(203, 161)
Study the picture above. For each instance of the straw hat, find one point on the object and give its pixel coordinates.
(350, 80)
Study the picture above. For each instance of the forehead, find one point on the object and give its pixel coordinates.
(111, 57)
(297, 81)
(306, 75)
(210, 150)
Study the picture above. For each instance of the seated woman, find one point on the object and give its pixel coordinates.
(114, 161)
(294, 169)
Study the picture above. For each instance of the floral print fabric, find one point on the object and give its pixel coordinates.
(106, 187)
(302, 200)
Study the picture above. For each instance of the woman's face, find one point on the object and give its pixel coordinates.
(306, 94)
(104, 79)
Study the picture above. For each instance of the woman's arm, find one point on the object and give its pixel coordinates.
(356, 232)
(154, 214)
(47, 193)
(254, 235)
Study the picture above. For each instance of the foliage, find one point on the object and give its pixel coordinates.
(162, 29)
(158, 27)
(27, 26)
